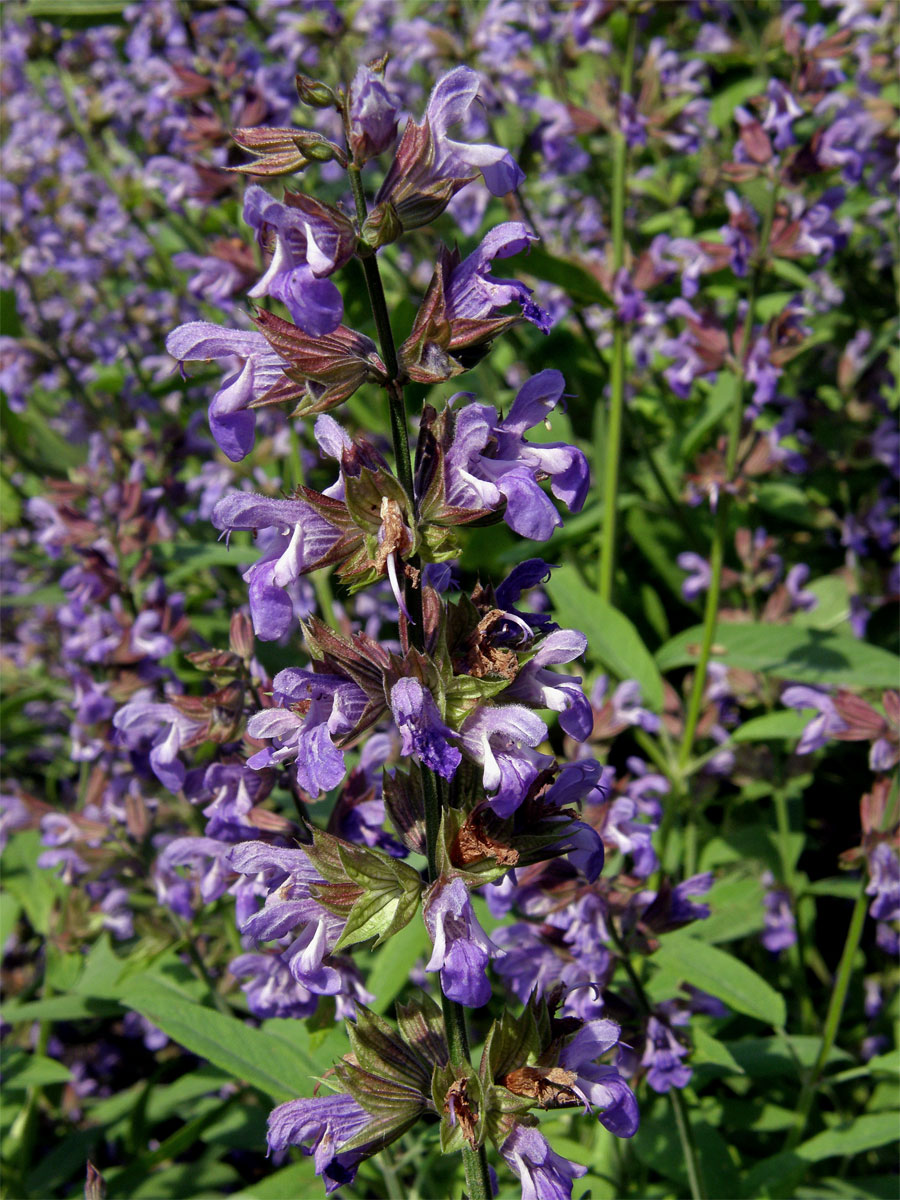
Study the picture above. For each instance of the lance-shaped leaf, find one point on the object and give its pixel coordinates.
(379, 1048)
(405, 806)
(381, 1096)
(422, 1024)
(510, 1043)
(361, 658)
(284, 151)
(325, 370)
(390, 895)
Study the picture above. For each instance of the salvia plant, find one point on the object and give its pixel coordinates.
(450, 573)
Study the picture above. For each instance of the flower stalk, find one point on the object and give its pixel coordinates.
(617, 373)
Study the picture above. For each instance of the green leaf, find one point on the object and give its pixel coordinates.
(788, 651)
(61, 1008)
(21, 1071)
(708, 1049)
(394, 962)
(577, 281)
(36, 890)
(612, 639)
(867, 1132)
(299, 1179)
(781, 1056)
(712, 970)
(736, 904)
(788, 724)
(245, 1053)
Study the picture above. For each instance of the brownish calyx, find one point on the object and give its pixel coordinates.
(460, 1111)
(482, 657)
(549, 1088)
(475, 842)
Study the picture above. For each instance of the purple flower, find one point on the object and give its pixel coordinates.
(373, 115)
(424, 733)
(698, 580)
(502, 741)
(310, 244)
(544, 1174)
(449, 103)
(259, 369)
(522, 578)
(472, 293)
(562, 693)
(800, 600)
(781, 113)
(601, 1087)
(271, 989)
(329, 707)
(290, 909)
(822, 727)
(780, 930)
(320, 1126)
(462, 949)
(207, 856)
(662, 1057)
(489, 461)
(299, 541)
(141, 721)
(884, 883)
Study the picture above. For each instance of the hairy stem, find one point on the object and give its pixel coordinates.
(676, 1098)
(474, 1160)
(832, 1017)
(720, 530)
(617, 376)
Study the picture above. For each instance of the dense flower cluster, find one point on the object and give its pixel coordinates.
(386, 730)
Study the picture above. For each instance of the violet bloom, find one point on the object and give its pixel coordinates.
(522, 578)
(884, 883)
(662, 1057)
(270, 989)
(601, 1087)
(290, 909)
(537, 685)
(310, 245)
(490, 462)
(300, 539)
(166, 728)
(424, 733)
(823, 726)
(700, 575)
(472, 293)
(801, 601)
(449, 103)
(781, 112)
(780, 930)
(320, 1126)
(208, 859)
(259, 369)
(544, 1174)
(462, 949)
(329, 707)
(373, 115)
(501, 739)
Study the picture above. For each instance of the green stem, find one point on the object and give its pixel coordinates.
(386, 339)
(720, 530)
(688, 1146)
(617, 377)
(474, 1161)
(832, 1017)
(679, 1107)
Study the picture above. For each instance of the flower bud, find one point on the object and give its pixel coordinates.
(314, 93)
(382, 226)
